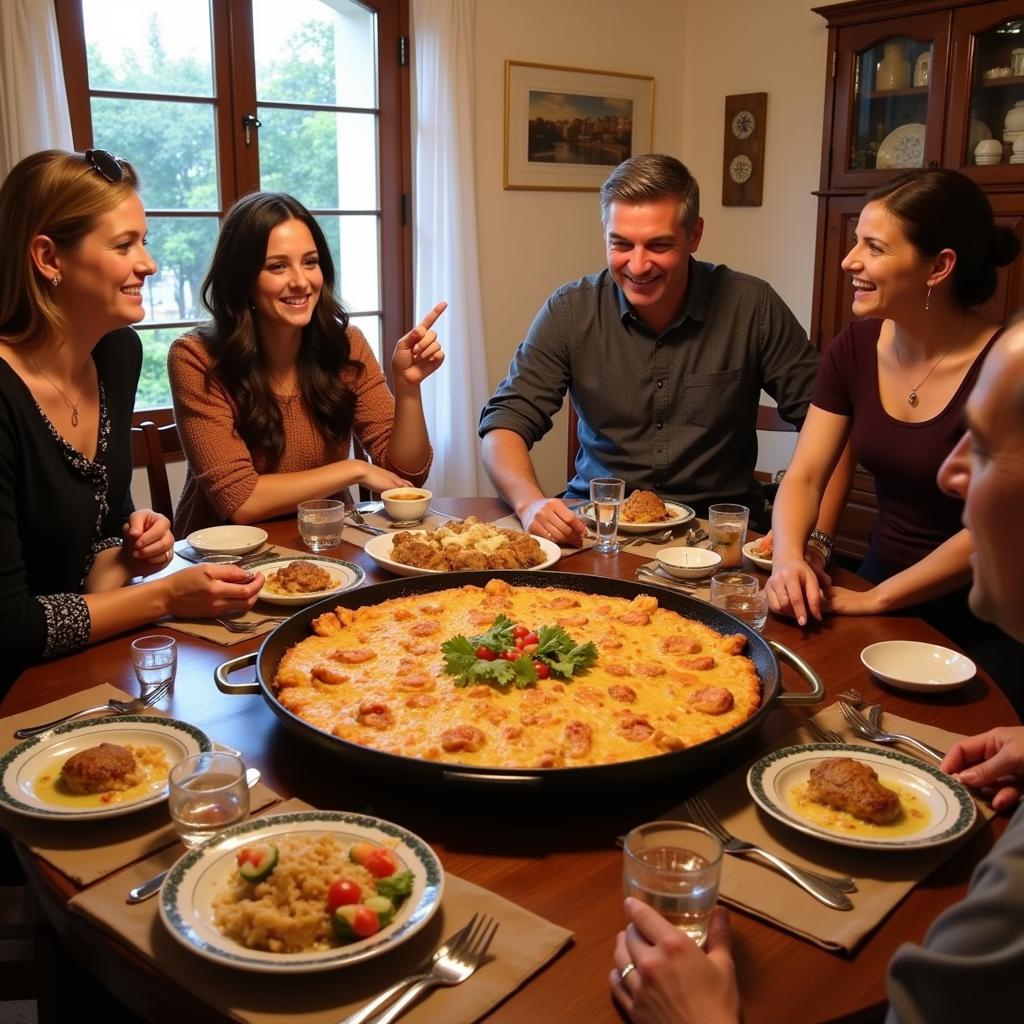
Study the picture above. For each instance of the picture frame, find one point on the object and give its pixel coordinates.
(746, 119)
(567, 128)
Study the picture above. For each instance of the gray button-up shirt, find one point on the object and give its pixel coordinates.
(673, 413)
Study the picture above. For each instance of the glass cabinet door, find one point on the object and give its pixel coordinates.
(894, 75)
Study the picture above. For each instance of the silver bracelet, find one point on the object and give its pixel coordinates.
(822, 542)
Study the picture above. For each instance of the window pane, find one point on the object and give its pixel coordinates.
(171, 145)
(370, 326)
(182, 247)
(154, 392)
(357, 259)
(149, 46)
(330, 57)
(323, 159)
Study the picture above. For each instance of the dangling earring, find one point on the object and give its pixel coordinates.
(928, 299)
(55, 280)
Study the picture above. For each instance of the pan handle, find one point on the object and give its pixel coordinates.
(815, 695)
(478, 777)
(222, 671)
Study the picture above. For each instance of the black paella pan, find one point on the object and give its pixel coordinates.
(660, 768)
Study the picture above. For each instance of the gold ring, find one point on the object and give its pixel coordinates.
(624, 973)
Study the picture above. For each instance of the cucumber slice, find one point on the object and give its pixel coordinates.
(257, 862)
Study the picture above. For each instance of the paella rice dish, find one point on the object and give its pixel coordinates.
(466, 544)
(518, 677)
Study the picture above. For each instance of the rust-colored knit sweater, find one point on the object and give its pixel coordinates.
(222, 472)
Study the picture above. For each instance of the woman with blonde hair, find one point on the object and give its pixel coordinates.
(72, 270)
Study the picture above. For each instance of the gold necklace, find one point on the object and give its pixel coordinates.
(73, 406)
(912, 398)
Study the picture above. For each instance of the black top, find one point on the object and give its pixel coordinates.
(675, 412)
(59, 509)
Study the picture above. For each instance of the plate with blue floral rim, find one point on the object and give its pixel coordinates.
(194, 882)
(677, 515)
(344, 576)
(947, 808)
(29, 772)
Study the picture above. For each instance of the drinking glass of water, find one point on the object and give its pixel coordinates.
(606, 494)
(739, 594)
(206, 793)
(674, 867)
(727, 525)
(321, 523)
(156, 660)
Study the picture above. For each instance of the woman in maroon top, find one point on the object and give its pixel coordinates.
(894, 385)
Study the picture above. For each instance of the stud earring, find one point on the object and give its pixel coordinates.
(55, 280)
(928, 299)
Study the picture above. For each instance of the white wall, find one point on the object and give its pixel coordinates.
(698, 51)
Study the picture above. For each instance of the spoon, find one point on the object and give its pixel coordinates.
(142, 892)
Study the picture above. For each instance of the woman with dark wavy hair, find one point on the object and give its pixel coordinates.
(894, 384)
(269, 392)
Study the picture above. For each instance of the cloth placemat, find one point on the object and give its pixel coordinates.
(700, 590)
(86, 851)
(884, 878)
(208, 629)
(185, 550)
(353, 535)
(523, 944)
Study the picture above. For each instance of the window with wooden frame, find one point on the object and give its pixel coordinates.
(211, 99)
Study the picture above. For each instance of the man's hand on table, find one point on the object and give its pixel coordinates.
(553, 520)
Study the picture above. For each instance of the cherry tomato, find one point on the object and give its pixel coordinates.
(246, 855)
(542, 669)
(365, 922)
(512, 655)
(520, 631)
(486, 654)
(381, 862)
(342, 892)
(519, 643)
(530, 638)
(530, 648)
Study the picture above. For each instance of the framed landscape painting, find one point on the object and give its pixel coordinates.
(566, 128)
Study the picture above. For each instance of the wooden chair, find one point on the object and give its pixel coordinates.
(153, 447)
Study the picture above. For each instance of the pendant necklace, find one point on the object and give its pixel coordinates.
(73, 406)
(912, 399)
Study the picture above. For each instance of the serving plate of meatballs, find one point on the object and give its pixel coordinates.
(97, 768)
(862, 797)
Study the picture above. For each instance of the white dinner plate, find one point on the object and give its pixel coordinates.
(678, 514)
(950, 807)
(21, 767)
(759, 560)
(227, 540)
(902, 147)
(186, 897)
(917, 666)
(344, 576)
(379, 549)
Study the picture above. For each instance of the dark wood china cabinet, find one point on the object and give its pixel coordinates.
(915, 83)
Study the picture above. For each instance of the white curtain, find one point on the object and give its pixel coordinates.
(445, 253)
(33, 102)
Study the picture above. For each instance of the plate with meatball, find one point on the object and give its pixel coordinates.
(306, 579)
(645, 512)
(858, 796)
(92, 769)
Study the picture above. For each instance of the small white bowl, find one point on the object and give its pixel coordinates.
(913, 665)
(689, 563)
(403, 511)
(227, 540)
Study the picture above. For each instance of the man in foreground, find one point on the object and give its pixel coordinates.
(970, 964)
(664, 358)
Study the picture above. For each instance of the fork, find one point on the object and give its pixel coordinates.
(861, 725)
(648, 538)
(379, 1002)
(115, 704)
(821, 734)
(829, 889)
(361, 524)
(453, 968)
(253, 624)
(643, 573)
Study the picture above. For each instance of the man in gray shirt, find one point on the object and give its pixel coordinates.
(664, 358)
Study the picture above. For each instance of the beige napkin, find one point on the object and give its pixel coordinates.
(189, 553)
(208, 629)
(86, 851)
(523, 944)
(383, 521)
(884, 878)
(702, 591)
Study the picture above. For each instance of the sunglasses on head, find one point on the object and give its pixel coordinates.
(110, 166)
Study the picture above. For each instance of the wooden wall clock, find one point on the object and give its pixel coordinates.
(743, 160)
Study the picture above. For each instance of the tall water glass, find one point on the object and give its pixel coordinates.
(206, 793)
(606, 494)
(727, 526)
(321, 523)
(674, 866)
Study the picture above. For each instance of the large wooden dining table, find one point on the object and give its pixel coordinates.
(561, 863)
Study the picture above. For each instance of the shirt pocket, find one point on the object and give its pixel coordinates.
(709, 399)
